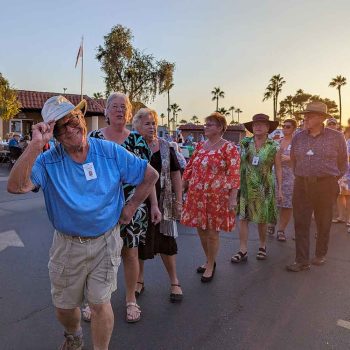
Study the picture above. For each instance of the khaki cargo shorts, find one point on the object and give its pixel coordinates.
(84, 269)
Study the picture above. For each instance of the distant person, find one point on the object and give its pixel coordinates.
(285, 206)
(319, 158)
(23, 144)
(82, 181)
(332, 123)
(14, 141)
(257, 200)
(343, 200)
(211, 179)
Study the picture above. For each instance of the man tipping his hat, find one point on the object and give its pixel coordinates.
(82, 182)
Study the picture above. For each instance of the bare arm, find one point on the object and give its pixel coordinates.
(19, 180)
(156, 215)
(142, 191)
(278, 170)
(176, 183)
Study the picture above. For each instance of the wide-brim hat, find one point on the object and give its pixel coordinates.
(56, 107)
(261, 118)
(319, 108)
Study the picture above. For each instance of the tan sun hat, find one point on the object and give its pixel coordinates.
(316, 107)
(56, 107)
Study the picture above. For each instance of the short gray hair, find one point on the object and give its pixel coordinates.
(142, 112)
(128, 105)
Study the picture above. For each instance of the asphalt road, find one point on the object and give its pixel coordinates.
(256, 305)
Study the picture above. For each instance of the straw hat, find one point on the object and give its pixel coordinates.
(261, 118)
(56, 107)
(319, 108)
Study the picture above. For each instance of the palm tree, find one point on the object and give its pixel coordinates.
(169, 107)
(162, 116)
(338, 82)
(176, 109)
(224, 111)
(273, 90)
(183, 121)
(238, 111)
(97, 95)
(194, 119)
(232, 109)
(217, 93)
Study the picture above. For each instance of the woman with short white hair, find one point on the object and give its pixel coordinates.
(160, 238)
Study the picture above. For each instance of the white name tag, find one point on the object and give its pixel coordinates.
(309, 152)
(255, 160)
(289, 147)
(89, 171)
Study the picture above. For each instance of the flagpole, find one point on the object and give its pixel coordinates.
(82, 68)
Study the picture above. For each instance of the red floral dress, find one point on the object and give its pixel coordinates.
(211, 175)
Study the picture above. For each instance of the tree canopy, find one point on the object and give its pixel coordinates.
(9, 104)
(130, 70)
(293, 104)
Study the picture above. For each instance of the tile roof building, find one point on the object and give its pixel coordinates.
(30, 112)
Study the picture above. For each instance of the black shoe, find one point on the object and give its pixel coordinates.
(176, 298)
(208, 279)
(201, 269)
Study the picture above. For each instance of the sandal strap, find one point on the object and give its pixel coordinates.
(142, 283)
(262, 250)
(176, 285)
(240, 255)
(131, 303)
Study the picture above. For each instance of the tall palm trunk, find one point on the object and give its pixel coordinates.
(339, 105)
(217, 103)
(169, 109)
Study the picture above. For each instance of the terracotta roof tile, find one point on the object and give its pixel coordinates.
(36, 99)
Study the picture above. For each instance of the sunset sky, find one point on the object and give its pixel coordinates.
(236, 45)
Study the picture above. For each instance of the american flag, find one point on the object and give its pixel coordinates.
(80, 53)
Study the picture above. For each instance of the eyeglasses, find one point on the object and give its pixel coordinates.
(116, 107)
(73, 122)
(332, 123)
(286, 126)
(209, 124)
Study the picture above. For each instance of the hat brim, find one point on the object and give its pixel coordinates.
(322, 114)
(82, 105)
(272, 126)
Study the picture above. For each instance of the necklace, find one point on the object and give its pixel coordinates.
(153, 143)
(215, 143)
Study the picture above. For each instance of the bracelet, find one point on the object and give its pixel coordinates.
(178, 202)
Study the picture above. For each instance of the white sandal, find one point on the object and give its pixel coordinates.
(130, 313)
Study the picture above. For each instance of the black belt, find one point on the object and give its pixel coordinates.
(83, 239)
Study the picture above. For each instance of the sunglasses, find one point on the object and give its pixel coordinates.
(332, 124)
(286, 126)
(60, 129)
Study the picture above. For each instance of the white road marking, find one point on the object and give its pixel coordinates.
(10, 239)
(344, 324)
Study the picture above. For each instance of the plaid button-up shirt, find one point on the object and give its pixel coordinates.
(321, 155)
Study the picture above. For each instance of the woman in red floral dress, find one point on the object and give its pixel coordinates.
(212, 180)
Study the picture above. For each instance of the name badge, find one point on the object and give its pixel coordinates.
(89, 171)
(255, 160)
(310, 153)
(289, 147)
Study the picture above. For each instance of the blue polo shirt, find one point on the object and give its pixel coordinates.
(86, 204)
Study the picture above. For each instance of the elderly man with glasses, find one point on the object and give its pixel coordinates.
(319, 158)
(82, 181)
